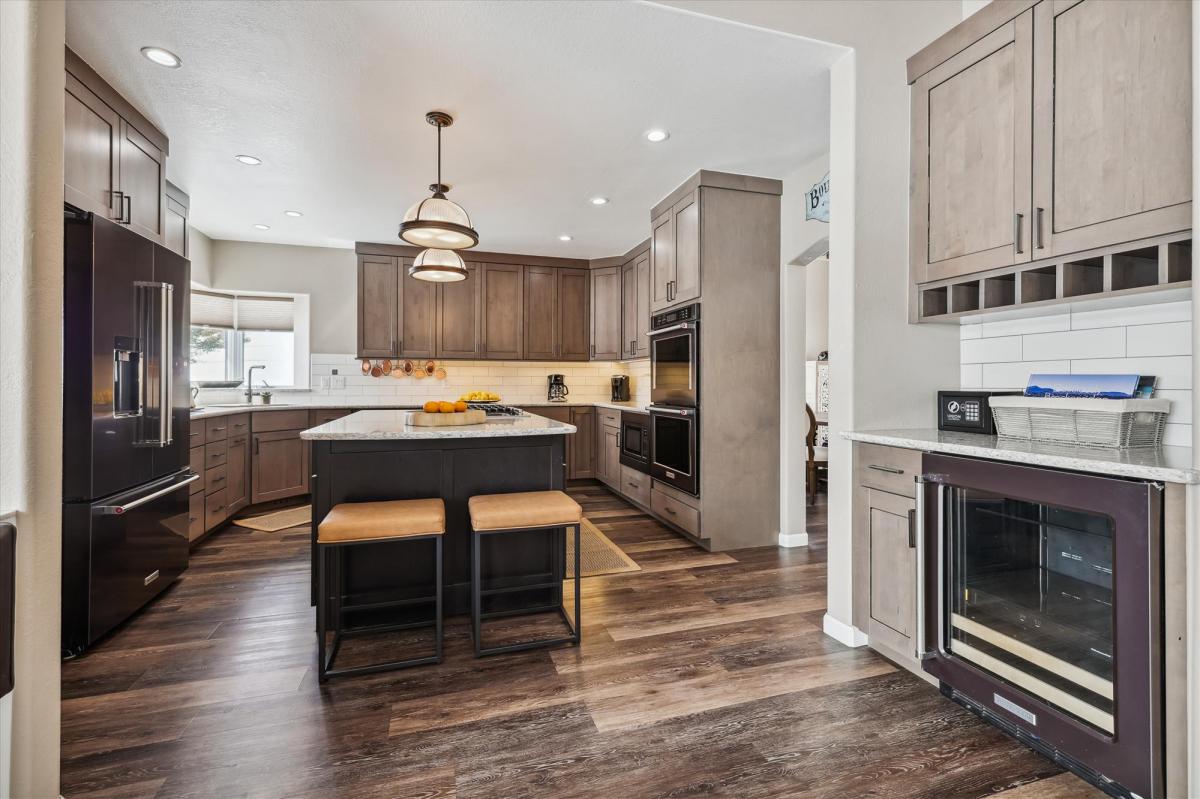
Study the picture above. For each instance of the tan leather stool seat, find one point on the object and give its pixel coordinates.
(526, 509)
(399, 518)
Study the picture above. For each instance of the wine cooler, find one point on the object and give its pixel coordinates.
(1042, 611)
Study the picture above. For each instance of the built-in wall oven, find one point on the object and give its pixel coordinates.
(635, 441)
(675, 357)
(675, 447)
(1042, 611)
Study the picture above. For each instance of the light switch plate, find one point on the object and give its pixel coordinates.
(337, 381)
(324, 382)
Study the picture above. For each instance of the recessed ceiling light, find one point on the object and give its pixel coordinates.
(248, 160)
(657, 135)
(599, 201)
(292, 213)
(262, 227)
(564, 237)
(164, 58)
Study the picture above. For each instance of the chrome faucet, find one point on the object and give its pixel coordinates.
(250, 382)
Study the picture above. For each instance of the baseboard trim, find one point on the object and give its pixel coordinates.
(793, 539)
(843, 633)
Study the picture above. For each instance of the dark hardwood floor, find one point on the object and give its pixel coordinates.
(703, 674)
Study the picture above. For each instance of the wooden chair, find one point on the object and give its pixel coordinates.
(818, 459)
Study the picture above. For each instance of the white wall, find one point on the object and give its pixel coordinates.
(328, 276)
(886, 370)
(200, 254)
(31, 235)
(816, 308)
(969, 7)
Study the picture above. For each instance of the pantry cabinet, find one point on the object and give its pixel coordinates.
(1062, 129)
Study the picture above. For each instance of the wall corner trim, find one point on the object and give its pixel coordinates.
(842, 632)
(793, 539)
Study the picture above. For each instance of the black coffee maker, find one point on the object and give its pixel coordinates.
(620, 388)
(557, 390)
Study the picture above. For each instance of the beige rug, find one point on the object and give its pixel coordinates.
(279, 520)
(598, 555)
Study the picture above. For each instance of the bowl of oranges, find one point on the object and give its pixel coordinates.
(442, 413)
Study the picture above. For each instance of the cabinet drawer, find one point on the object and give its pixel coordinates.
(214, 509)
(214, 454)
(238, 424)
(674, 493)
(215, 479)
(321, 417)
(196, 464)
(609, 416)
(635, 485)
(196, 515)
(890, 469)
(216, 429)
(672, 510)
(266, 421)
(196, 433)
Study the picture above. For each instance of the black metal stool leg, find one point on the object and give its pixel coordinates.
(322, 600)
(578, 618)
(438, 588)
(476, 592)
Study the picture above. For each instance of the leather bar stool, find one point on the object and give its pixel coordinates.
(351, 524)
(499, 514)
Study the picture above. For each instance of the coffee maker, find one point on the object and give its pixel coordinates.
(557, 391)
(620, 388)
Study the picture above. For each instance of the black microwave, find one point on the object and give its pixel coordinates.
(962, 411)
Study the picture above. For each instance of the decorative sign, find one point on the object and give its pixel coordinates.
(816, 204)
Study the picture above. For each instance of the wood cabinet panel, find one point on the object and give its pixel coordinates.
(143, 183)
(502, 311)
(668, 507)
(581, 447)
(175, 232)
(1112, 119)
(686, 287)
(607, 295)
(541, 313)
(458, 316)
(629, 309)
(635, 485)
(196, 464)
(216, 428)
(237, 472)
(574, 314)
(267, 421)
(316, 418)
(893, 580)
(196, 526)
(418, 315)
(279, 466)
(377, 306)
(662, 260)
(642, 339)
(216, 509)
(91, 146)
(215, 479)
(214, 454)
(608, 456)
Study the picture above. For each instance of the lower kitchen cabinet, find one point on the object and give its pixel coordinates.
(237, 471)
(279, 465)
(196, 526)
(581, 449)
(675, 507)
(608, 455)
(635, 485)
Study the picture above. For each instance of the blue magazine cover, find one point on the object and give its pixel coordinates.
(1094, 386)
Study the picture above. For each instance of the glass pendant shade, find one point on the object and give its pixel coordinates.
(438, 266)
(439, 223)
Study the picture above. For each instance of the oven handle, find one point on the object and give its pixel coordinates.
(919, 524)
(941, 570)
(672, 328)
(674, 411)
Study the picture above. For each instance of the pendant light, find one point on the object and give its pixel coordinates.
(438, 266)
(436, 222)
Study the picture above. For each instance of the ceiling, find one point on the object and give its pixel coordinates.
(551, 102)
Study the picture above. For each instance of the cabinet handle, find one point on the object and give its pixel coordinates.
(128, 209)
(887, 469)
(1017, 232)
(592, 351)
(671, 511)
(1037, 228)
(218, 429)
(255, 446)
(912, 532)
(119, 202)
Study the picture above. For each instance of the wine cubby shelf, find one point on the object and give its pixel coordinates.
(1140, 267)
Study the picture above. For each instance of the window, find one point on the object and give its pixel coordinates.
(232, 332)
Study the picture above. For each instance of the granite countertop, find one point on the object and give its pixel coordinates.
(1168, 464)
(210, 411)
(381, 425)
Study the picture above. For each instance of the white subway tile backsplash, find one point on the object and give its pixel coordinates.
(1106, 342)
(1033, 324)
(1172, 372)
(970, 331)
(991, 350)
(1171, 338)
(1016, 375)
(1181, 404)
(971, 375)
(1134, 315)
(1177, 435)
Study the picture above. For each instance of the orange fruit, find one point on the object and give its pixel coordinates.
(446, 407)
(460, 407)
(431, 406)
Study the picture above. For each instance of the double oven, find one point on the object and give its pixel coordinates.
(1042, 611)
(675, 398)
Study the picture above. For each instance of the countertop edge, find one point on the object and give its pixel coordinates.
(987, 449)
(209, 412)
(494, 428)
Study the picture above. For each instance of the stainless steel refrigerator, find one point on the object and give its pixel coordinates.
(125, 424)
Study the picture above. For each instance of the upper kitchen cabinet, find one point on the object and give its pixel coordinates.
(1112, 123)
(418, 315)
(606, 314)
(377, 306)
(114, 158)
(574, 314)
(541, 313)
(635, 307)
(503, 292)
(1042, 131)
(175, 220)
(694, 225)
(459, 316)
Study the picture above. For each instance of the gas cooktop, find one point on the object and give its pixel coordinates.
(494, 409)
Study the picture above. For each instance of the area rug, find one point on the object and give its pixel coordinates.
(279, 520)
(598, 555)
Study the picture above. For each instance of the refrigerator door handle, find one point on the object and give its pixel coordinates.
(117, 510)
(166, 365)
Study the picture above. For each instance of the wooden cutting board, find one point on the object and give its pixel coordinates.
(422, 419)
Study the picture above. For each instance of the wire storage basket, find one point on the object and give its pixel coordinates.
(1083, 421)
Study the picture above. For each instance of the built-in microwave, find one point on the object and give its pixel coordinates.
(675, 357)
(675, 447)
(635, 441)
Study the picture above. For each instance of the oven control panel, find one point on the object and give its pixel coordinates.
(688, 313)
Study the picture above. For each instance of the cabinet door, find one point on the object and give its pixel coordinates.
(893, 571)
(686, 212)
(175, 227)
(629, 310)
(581, 447)
(418, 315)
(279, 466)
(608, 456)
(642, 341)
(662, 260)
(458, 317)
(91, 146)
(541, 313)
(606, 314)
(1112, 122)
(237, 465)
(143, 183)
(377, 307)
(502, 308)
(574, 314)
(972, 152)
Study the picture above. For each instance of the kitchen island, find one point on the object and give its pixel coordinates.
(375, 455)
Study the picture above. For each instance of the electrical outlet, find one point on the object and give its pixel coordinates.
(337, 381)
(334, 370)
(324, 381)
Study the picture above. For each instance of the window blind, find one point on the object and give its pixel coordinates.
(210, 309)
(236, 312)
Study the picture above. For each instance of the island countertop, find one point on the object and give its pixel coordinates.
(390, 425)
